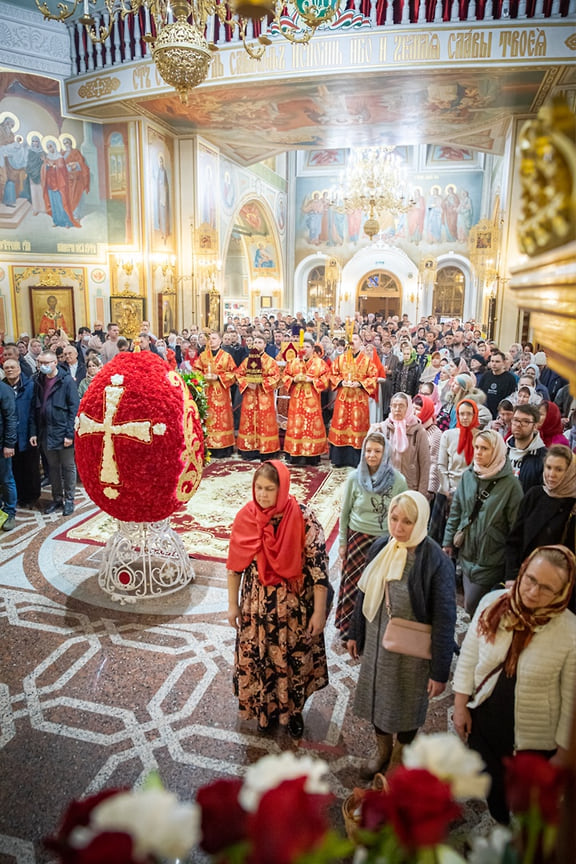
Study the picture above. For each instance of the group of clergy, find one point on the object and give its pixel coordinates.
(352, 376)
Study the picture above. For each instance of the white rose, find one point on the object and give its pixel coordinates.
(448, 758)
(271, 770)
(158, 823)
(490, 850)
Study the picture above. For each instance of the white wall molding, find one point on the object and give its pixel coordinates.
(29, 43)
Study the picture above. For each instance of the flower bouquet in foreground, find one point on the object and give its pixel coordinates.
(276, 815)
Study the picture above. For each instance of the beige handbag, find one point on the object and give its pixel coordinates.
(407, 637)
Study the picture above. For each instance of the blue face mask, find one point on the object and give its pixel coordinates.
(46, 368)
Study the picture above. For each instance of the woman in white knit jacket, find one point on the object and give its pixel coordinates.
(515, 679)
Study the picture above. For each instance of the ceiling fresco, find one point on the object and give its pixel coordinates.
(250, 121)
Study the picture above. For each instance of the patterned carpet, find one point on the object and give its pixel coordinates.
(226, 486)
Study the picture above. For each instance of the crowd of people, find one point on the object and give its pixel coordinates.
(464, 475)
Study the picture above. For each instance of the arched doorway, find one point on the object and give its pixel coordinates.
(379, 291)
(448, 299)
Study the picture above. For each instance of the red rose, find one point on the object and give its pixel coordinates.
(417, 805)
(114, 847)
(78, 812)
(223, 819)
(289, 822)
(532, 781)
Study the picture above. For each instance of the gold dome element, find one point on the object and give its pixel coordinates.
(182, 57)
(371, 227)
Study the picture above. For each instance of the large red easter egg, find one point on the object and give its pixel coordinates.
(139, 443)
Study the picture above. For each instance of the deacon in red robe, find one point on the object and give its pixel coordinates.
(305, 378)
(258, 377)
(355, 378)
(217, 367)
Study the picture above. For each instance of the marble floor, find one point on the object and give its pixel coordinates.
(93, 694)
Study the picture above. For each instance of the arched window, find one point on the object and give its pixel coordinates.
(379, 291)
(448, 300)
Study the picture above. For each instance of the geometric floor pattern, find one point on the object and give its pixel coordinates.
(95, 695)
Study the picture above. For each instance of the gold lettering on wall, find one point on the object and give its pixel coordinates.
(470, 45)
(242, 64)
(420, 46)
(523, 43)
(360, 51)
(317, 54)
(382, 49)
(141, 78)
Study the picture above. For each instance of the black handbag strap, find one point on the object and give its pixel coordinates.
(480, 498)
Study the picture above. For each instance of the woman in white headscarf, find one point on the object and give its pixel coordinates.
(393, 689)
(483, 510)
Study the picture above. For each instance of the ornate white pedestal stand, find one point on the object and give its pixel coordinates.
(144, 559)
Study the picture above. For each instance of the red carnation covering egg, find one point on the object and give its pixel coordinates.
(139, 442)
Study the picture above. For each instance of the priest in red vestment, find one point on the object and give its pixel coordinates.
(217, 367)
(305, 378)
(355, 378)
(258, 377)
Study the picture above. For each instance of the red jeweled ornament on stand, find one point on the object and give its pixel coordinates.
(140, 453)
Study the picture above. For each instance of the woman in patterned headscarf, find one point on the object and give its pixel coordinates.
(516, 674)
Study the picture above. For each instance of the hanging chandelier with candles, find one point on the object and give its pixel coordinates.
(179, 46)
(375, 182)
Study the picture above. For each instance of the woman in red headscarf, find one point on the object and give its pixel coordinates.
(425, 410)
(515, 677)
(551, 425)
(455, 454)
(278, 557)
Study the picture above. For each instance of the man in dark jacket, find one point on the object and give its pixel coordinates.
(26, 461)
(74, 364)
(8, 431)
(56, 405)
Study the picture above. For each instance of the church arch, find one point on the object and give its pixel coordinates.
(252, 262)
(379, 291)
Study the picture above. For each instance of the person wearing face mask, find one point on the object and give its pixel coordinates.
(515, 677)
(52, 427)
(547, 513)
(484, 508)
(406, 576)
(355, 379)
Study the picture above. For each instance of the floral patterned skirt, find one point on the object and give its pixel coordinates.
(276, 666)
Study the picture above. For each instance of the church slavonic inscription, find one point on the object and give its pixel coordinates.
(420, 46)
(523, 43)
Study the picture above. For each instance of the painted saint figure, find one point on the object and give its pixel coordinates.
(52, 319)
(54, 178)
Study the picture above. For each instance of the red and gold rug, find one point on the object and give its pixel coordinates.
(204, 523)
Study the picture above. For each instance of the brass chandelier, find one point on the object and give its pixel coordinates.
(374, 182)
(180, 49)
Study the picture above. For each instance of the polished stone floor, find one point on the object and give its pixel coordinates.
(93, 694)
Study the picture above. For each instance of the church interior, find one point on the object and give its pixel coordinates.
(197, 202)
